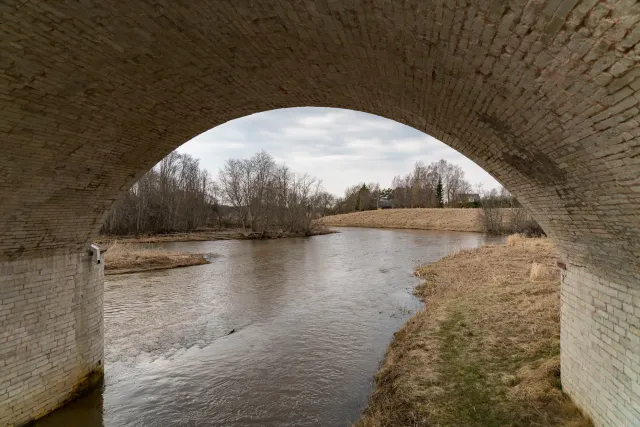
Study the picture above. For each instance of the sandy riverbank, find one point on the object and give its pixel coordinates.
(122, 258)
(125, 255)
(485, 350)
(419, 218)
(206, 235)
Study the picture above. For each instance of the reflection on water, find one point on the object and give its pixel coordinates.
(312, 320)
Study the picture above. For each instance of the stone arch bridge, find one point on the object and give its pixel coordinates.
(543, 94)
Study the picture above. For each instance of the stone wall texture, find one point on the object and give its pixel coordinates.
(543, 94)
(51, 337)
(600, 347)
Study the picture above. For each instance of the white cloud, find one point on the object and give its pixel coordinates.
(364, 144)
(339, 147)
(297, 132)
(323, 119)
(409, 145)
(370, 125)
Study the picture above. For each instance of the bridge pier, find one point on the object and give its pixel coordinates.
(51, 338)
(600, 347)
(51, 333)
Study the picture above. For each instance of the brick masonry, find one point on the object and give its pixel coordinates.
(600, 342)
(543, 94)
(51, 335)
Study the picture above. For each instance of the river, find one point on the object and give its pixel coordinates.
(312, 319)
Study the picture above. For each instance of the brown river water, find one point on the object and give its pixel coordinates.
(312, 320)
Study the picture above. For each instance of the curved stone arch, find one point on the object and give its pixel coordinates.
(477, 157)
(292, 106)
(543, 94)
(484, 137)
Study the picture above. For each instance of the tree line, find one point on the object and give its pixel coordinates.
(254, 193)
(259, 195)
(175, 195)
(267, 196)
(430, 186)
(435, 185)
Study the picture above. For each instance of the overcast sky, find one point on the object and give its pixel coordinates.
(339, 147)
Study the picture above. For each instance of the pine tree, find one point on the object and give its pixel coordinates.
(363, 199)
(439, 194)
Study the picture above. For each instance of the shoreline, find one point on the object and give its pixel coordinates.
(484, 349)
(126, 258)
(123, 255)
(435, 219)
(194, 259)
(207, 235)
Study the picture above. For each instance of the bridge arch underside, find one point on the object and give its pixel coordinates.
(544, 95)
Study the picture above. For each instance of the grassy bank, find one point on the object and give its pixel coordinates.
(122, 258)
(419, 218)
(484, 351)
(207, 235)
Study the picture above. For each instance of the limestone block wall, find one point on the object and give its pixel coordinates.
(51, 332)
(600, 347)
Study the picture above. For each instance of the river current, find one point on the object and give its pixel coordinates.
(285, 332)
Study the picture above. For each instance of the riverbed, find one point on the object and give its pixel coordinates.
(271, 333)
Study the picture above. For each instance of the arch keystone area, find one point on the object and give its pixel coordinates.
(544, 95)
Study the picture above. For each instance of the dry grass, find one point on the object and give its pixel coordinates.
(450, 219)
(484, 352)
(542, 272)
(515, 239)
(123, 258)
(419, 218)
(521, 240)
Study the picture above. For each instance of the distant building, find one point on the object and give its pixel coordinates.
(386, 204)
(469, 197)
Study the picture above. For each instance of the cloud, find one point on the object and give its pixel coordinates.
(339, 147)
(304, 133)
(323, 119)
(370, 125)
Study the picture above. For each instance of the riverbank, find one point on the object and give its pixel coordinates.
(207, 235)
(485, 350)
(417, 218)
(123, 258)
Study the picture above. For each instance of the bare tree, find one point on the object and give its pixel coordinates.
(176, 195)
(418, 188)
(230, 178)
(504, 214)
(271, 198)
(493, 213)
